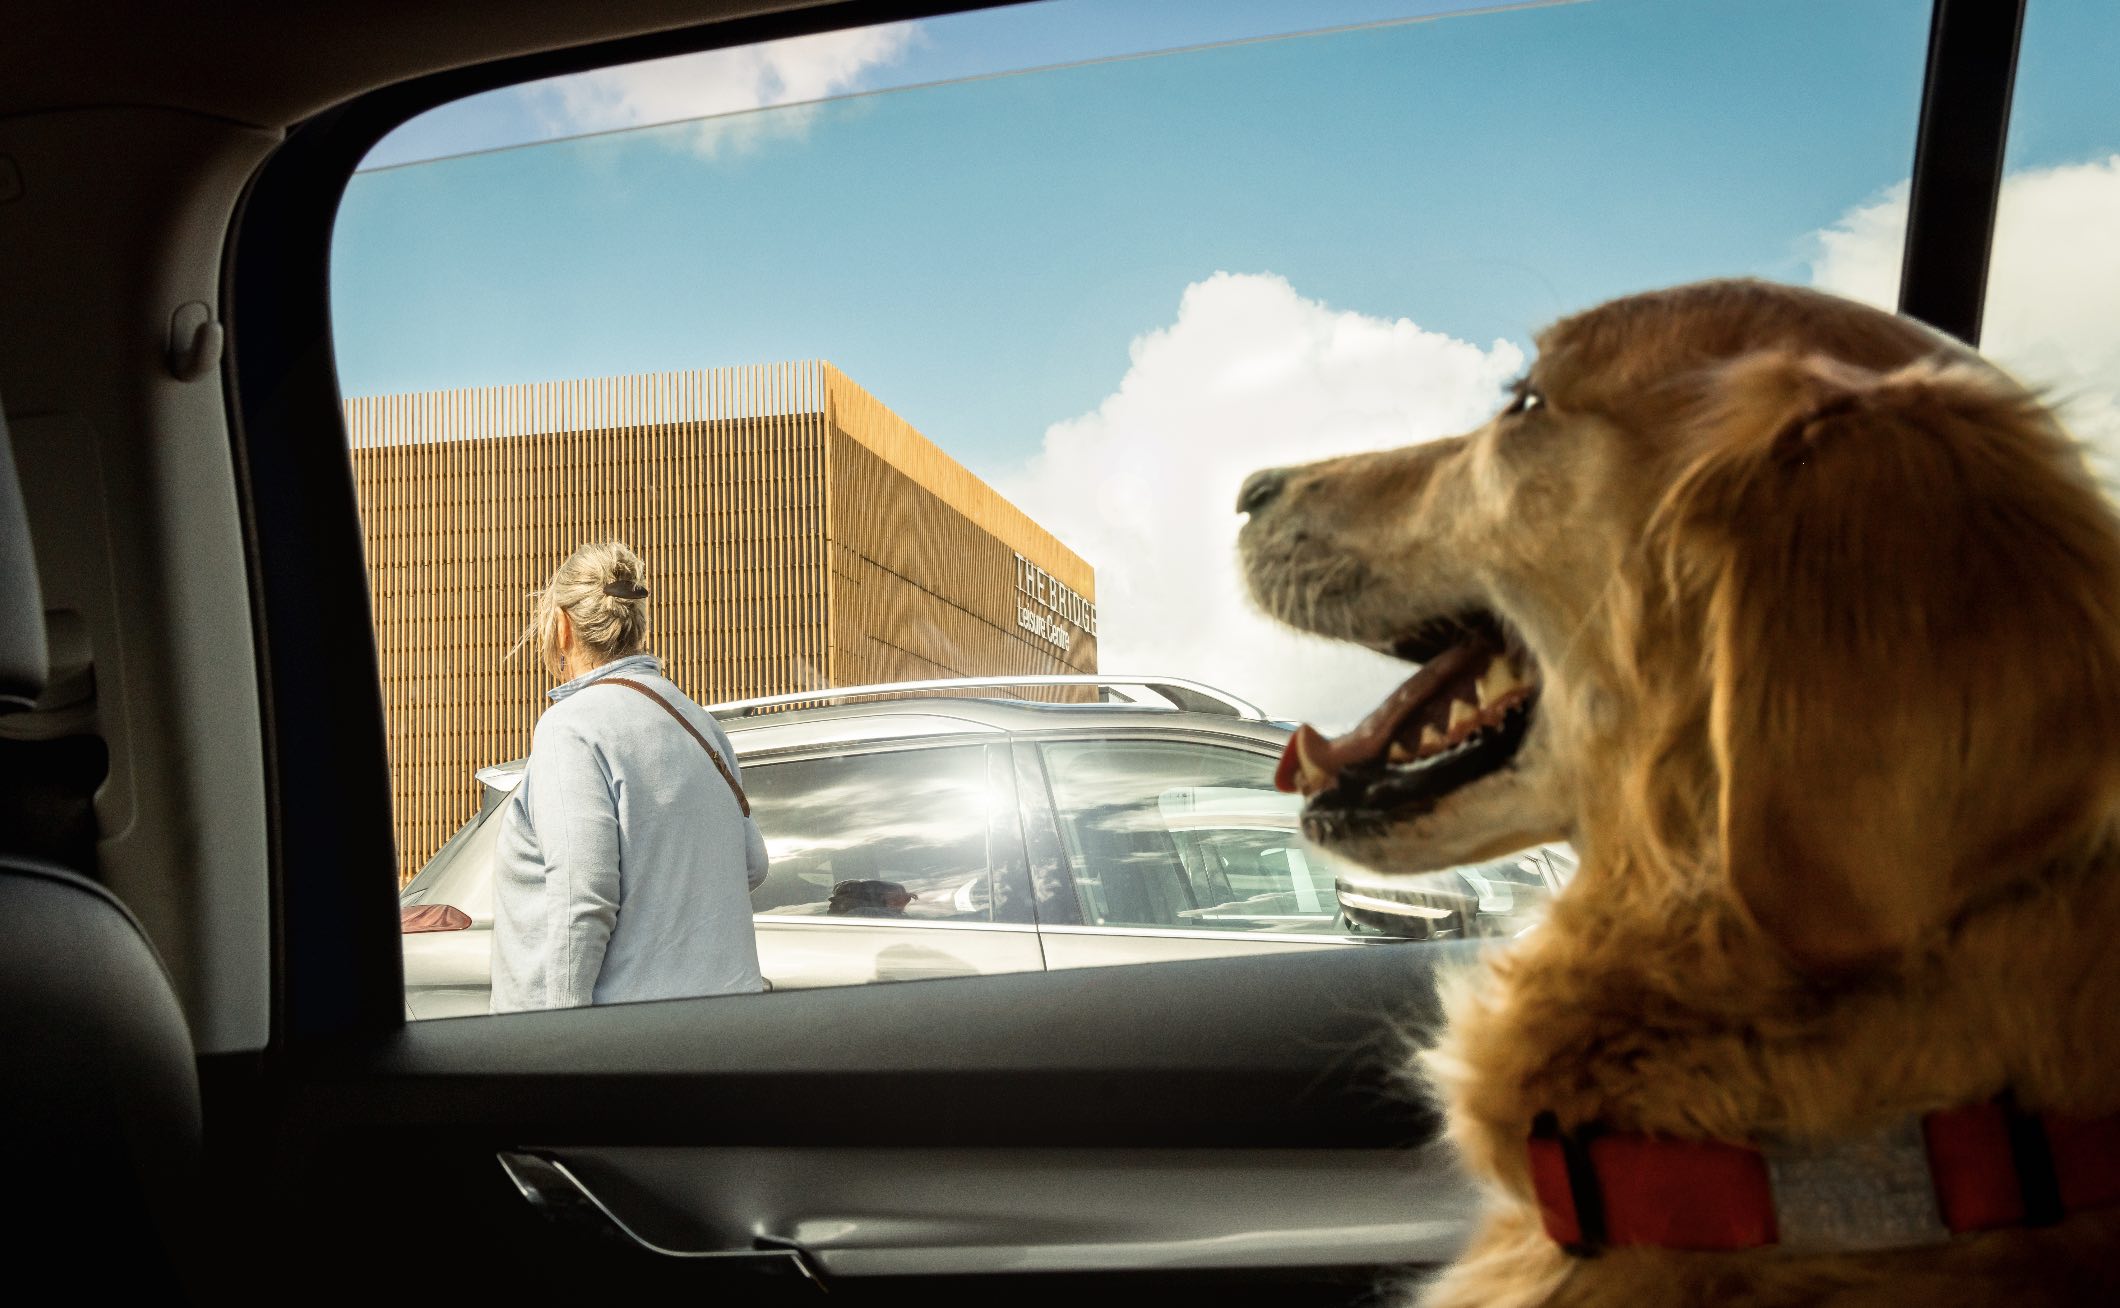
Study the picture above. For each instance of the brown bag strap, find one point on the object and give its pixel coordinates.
(743, 801)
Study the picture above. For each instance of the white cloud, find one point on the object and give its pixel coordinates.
(1858, 256)
(721, 82)
(1250, 375)
(2054, 279)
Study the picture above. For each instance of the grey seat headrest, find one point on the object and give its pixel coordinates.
(24, 660)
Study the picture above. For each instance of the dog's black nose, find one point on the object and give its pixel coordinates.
(1260, 488)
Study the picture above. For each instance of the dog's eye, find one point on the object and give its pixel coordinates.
(1524, 399)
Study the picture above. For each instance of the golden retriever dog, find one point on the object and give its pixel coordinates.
(1803, 624)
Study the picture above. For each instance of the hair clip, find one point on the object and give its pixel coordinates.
(625, 590)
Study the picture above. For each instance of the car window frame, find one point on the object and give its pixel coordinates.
(336, 967)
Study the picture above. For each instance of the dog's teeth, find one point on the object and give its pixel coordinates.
(1461, 713)
(1400, 754)
(1431, 739)
(1498, 680)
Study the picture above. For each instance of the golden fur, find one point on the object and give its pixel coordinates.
(1827, 615)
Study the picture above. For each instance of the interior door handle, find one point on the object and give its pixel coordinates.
(559, 1195)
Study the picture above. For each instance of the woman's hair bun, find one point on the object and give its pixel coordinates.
(622, 574)
(600, 571)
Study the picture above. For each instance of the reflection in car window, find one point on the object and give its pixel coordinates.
(1187, 836)
(900, 835)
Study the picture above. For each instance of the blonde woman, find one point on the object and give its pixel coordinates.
(627, 855)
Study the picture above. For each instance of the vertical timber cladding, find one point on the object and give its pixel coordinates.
(469, 500)
(796, 534)
(933, 573)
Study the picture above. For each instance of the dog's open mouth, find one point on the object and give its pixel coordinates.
(1461, 717)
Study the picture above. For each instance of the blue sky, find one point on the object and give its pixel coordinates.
(980, 255)
(978, 44)
(2067, 102)
(1113, 286)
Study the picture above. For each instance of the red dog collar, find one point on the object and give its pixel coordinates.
(1958, 1170)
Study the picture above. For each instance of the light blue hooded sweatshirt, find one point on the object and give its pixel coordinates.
(624, 866)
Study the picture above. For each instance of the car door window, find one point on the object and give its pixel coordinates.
(1186, 835)
(992, 420)
(899, 834)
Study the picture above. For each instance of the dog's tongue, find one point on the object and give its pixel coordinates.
(1311, 762)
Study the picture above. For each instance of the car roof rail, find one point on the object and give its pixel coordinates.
(1176, 692)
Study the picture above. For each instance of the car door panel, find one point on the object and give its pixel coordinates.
(859, 1212)
(1115, 1122)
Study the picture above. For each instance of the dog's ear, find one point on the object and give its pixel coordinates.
(1908, 587)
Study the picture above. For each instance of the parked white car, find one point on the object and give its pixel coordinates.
(939, 829)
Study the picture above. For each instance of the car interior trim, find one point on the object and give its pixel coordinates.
(1037, 1209)
(548, 1186)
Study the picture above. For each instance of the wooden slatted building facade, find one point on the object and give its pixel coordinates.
(797, 535)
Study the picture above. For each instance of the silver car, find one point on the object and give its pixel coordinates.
(954, 828)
